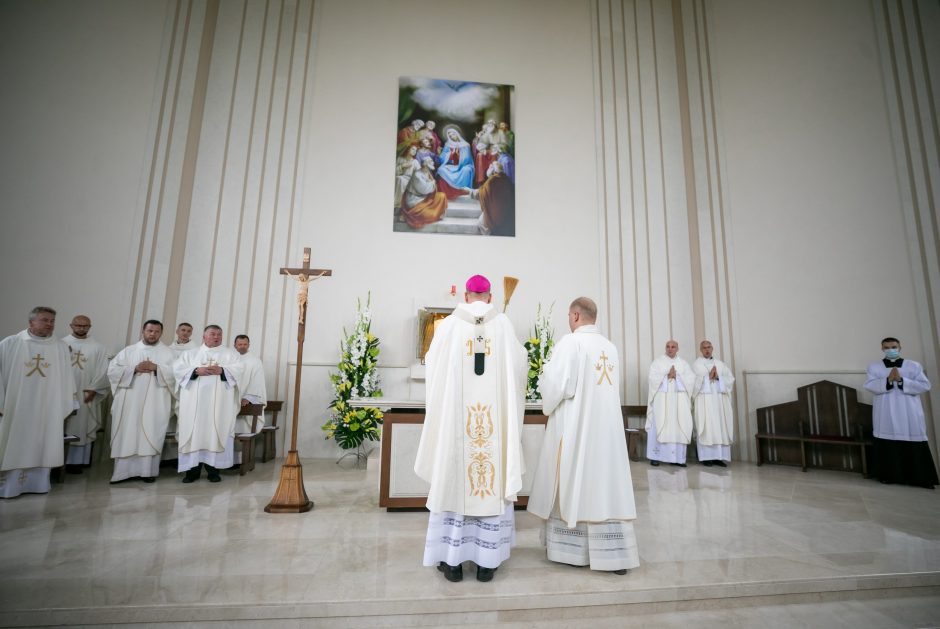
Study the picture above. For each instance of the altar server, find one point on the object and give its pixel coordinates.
(37, 393)
(669, 408)
(711, 402)
(90, 368)
(471, 443)
(208, 380)
(143, 384)
(902, 454)
(583, 487)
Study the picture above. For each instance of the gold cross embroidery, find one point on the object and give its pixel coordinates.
(211, 363)
(605, 369)
(37, 363)
(79, 360)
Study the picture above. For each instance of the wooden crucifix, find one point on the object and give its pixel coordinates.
(290, 496)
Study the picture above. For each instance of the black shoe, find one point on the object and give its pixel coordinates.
(192, 474)
(150, 479)
(213, 474)
(678, 464)
(485, 574)
(73, 469)
(720, 463)
(708, 463)
(654, 463)
(621, 571)
(451, 573)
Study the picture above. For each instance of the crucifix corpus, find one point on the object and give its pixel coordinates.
(290, 496)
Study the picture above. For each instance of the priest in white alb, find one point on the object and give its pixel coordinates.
(208, 379)
(143, 385)
(471, 443)
(182, 342)
(253, 389)
(711, 403)
(37, 393)
(669, 408)
(90, 368)
(582, 487)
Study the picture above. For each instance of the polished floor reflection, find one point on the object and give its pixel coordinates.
(740, 544)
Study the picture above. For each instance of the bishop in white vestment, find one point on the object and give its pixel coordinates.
(37, 393)
(143, 384)
(711, 402)
(90, 368)
(471, 443)
(669, 408)
(208, 379)
(583, 488)
(902, 454)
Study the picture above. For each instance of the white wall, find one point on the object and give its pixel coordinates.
(77, 80)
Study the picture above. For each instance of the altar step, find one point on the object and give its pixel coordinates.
(896, 600)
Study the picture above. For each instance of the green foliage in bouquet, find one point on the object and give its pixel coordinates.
(357, 377)
(539, 347)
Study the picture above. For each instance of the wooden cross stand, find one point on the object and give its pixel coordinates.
(290, 496)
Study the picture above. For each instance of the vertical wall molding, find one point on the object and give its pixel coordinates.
(910, 71)
(219, 194)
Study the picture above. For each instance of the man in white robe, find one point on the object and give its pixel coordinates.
(143, 384)
(711, 402)
(902, 454)
(583, 488)
(37, 393)
(208, 379)
(182, 342)
(253, 389)
(669, 408)
(90, 368)
(471, 443)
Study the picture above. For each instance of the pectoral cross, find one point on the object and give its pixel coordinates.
(37, 367)
(79, 360)
(290, 495)
(605, 369)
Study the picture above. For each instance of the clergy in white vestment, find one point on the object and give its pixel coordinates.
(90, 368)
(182, 342)
(711, 404)
(252, 389)
(669, 408)
(902, 454)
(208, 382)
(143, 384)
(583, 488)
(471, 443)
(37, 393)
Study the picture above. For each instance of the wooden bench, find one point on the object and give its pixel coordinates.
(827, 414)
(633, 435)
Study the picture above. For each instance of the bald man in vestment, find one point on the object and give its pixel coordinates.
(90, 368)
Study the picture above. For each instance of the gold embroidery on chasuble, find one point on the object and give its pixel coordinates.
(605, 369)
(488, 344)
(481, 473)
(36, 365)
(79, 360)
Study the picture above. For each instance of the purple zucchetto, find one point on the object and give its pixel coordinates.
(478, 284)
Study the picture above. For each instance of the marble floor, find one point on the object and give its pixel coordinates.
(748, 546)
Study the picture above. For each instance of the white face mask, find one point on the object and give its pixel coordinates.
(892, 353)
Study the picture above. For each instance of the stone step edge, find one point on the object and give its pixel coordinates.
(652, 600)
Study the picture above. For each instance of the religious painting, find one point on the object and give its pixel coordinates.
(455, 152)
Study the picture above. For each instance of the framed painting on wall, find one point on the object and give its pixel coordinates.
(455, 152)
